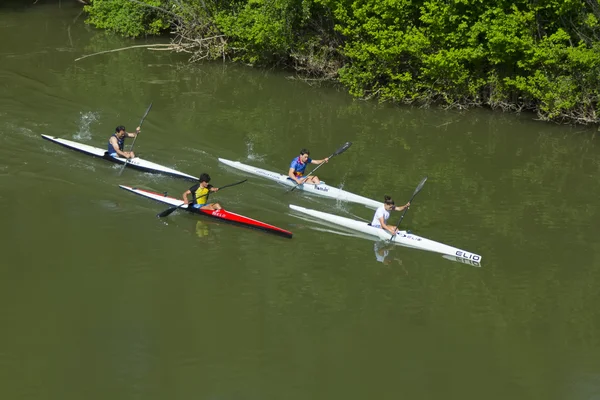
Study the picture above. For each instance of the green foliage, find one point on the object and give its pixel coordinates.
(265, 31)
(128, 18)
(542, 56)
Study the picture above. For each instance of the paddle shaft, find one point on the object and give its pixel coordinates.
(335, 153)
(136, 135)
(226, 186)
(417, 190)
(140, 125)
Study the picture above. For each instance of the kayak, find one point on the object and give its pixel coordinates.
(137, 163)
(403, 238)
(321, 189)
(218, 214)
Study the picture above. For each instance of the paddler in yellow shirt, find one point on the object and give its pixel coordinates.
(200, 192)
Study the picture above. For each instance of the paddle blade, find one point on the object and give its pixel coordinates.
(167, 212)
(420, 186)
(342, 149)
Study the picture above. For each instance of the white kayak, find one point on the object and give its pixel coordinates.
(321, 189)
(137, 163)
(402, 238)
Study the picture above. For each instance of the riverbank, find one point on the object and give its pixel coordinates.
(517, 57)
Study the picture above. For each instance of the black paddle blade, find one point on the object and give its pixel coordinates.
(342, 149)
(167, 212)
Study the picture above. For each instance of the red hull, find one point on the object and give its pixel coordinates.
(222, 214)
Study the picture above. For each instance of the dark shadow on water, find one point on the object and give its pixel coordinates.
(24, 5)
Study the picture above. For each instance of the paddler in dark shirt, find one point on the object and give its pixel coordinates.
(117, 140)
(200, 192)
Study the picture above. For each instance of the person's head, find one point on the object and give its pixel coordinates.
(389, 203)
(204, 179)
(120, 131)
(304, 153)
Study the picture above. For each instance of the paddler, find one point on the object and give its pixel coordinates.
(117, 140)
(200, 192)
(383, 213)
(298, 166)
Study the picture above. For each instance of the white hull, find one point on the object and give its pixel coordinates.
(321, 189)
(402, 238)
(156, 196)
(137, 163)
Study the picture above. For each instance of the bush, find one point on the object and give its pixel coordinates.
(128, 18)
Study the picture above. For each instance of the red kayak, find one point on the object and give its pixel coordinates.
(218, 214)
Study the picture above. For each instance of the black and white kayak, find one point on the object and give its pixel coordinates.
(403, 238)
(137, 163)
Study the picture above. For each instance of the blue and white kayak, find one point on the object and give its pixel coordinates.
(321, 189)
(403, 238)
(136, 163)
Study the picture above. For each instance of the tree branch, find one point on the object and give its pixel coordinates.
(124, 48)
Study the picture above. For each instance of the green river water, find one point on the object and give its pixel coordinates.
(99, 299)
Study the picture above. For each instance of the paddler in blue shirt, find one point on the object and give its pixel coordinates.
(117, 140)
(200, 192)
(298, 166)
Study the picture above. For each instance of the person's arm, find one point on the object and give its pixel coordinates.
(294, 177)
(326, 159)
(137, 131)
(185, 196)
(402, 208)
(115, 145)
(390, 229)
(214, 189)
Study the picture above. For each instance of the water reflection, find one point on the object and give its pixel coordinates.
(382, 253)
(202, 229)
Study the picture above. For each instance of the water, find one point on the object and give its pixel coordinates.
(101, 299)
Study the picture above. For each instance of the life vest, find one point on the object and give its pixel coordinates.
(120, 142)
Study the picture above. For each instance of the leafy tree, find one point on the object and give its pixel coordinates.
(128, 18)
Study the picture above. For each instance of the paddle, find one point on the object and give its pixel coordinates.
(417, 190)
(335, 153)
(169, 211)
(132, 143)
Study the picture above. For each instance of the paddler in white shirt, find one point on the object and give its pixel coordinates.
(383, 213)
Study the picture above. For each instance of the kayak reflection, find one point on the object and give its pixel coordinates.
(382, 253)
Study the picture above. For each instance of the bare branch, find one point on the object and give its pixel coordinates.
(125, 48)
